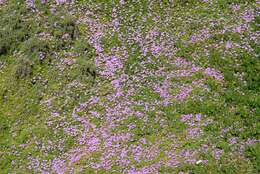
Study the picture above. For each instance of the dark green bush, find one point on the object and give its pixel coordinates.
(35, 48)
(253, 153)
(184, 2)
(14, 27)
(81, 46)
(23, 69)
(251, 67)
(86, 68)
(62, 23)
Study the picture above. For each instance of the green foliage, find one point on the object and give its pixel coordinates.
(251, 67)
(226, 3)
(35, 46)
(86, 69)
(23, 69)
(253, 153)
(82, 47)
(14, 28)
(63, 23)
(185, 3)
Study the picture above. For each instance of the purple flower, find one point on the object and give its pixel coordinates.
(194, 132)
(187, 117)
(2, 2)
(93, 143)
(248, 16)
(59, 2)
(94, 100)
(116, 83)
(44, 1)
(213, 73)
(185, 91)
(233, 140)
(59, 166)
(228, 45)
(95, 114)
(217, 153)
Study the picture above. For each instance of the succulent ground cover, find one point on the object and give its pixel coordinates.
(135, 87)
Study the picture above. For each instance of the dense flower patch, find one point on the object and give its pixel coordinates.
(138, 87)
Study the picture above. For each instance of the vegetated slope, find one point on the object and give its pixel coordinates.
(129, 86)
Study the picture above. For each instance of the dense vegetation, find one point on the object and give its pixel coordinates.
(138, 87)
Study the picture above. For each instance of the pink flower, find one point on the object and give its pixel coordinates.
(185, 91)
(187, 117)
(94, 99)
(213, 73)
(95, 114)
(228, 45)
(238, 29)
(116, 83)
(59, 2)
(59, 166)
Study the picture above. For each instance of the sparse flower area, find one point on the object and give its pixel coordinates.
(132, 87)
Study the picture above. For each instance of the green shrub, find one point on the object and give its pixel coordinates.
(23, 69)
(63, 23)
(253, 153)
(184, 2)
(82, 47)
(14, 27)
(86, 68)
(34, 47)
